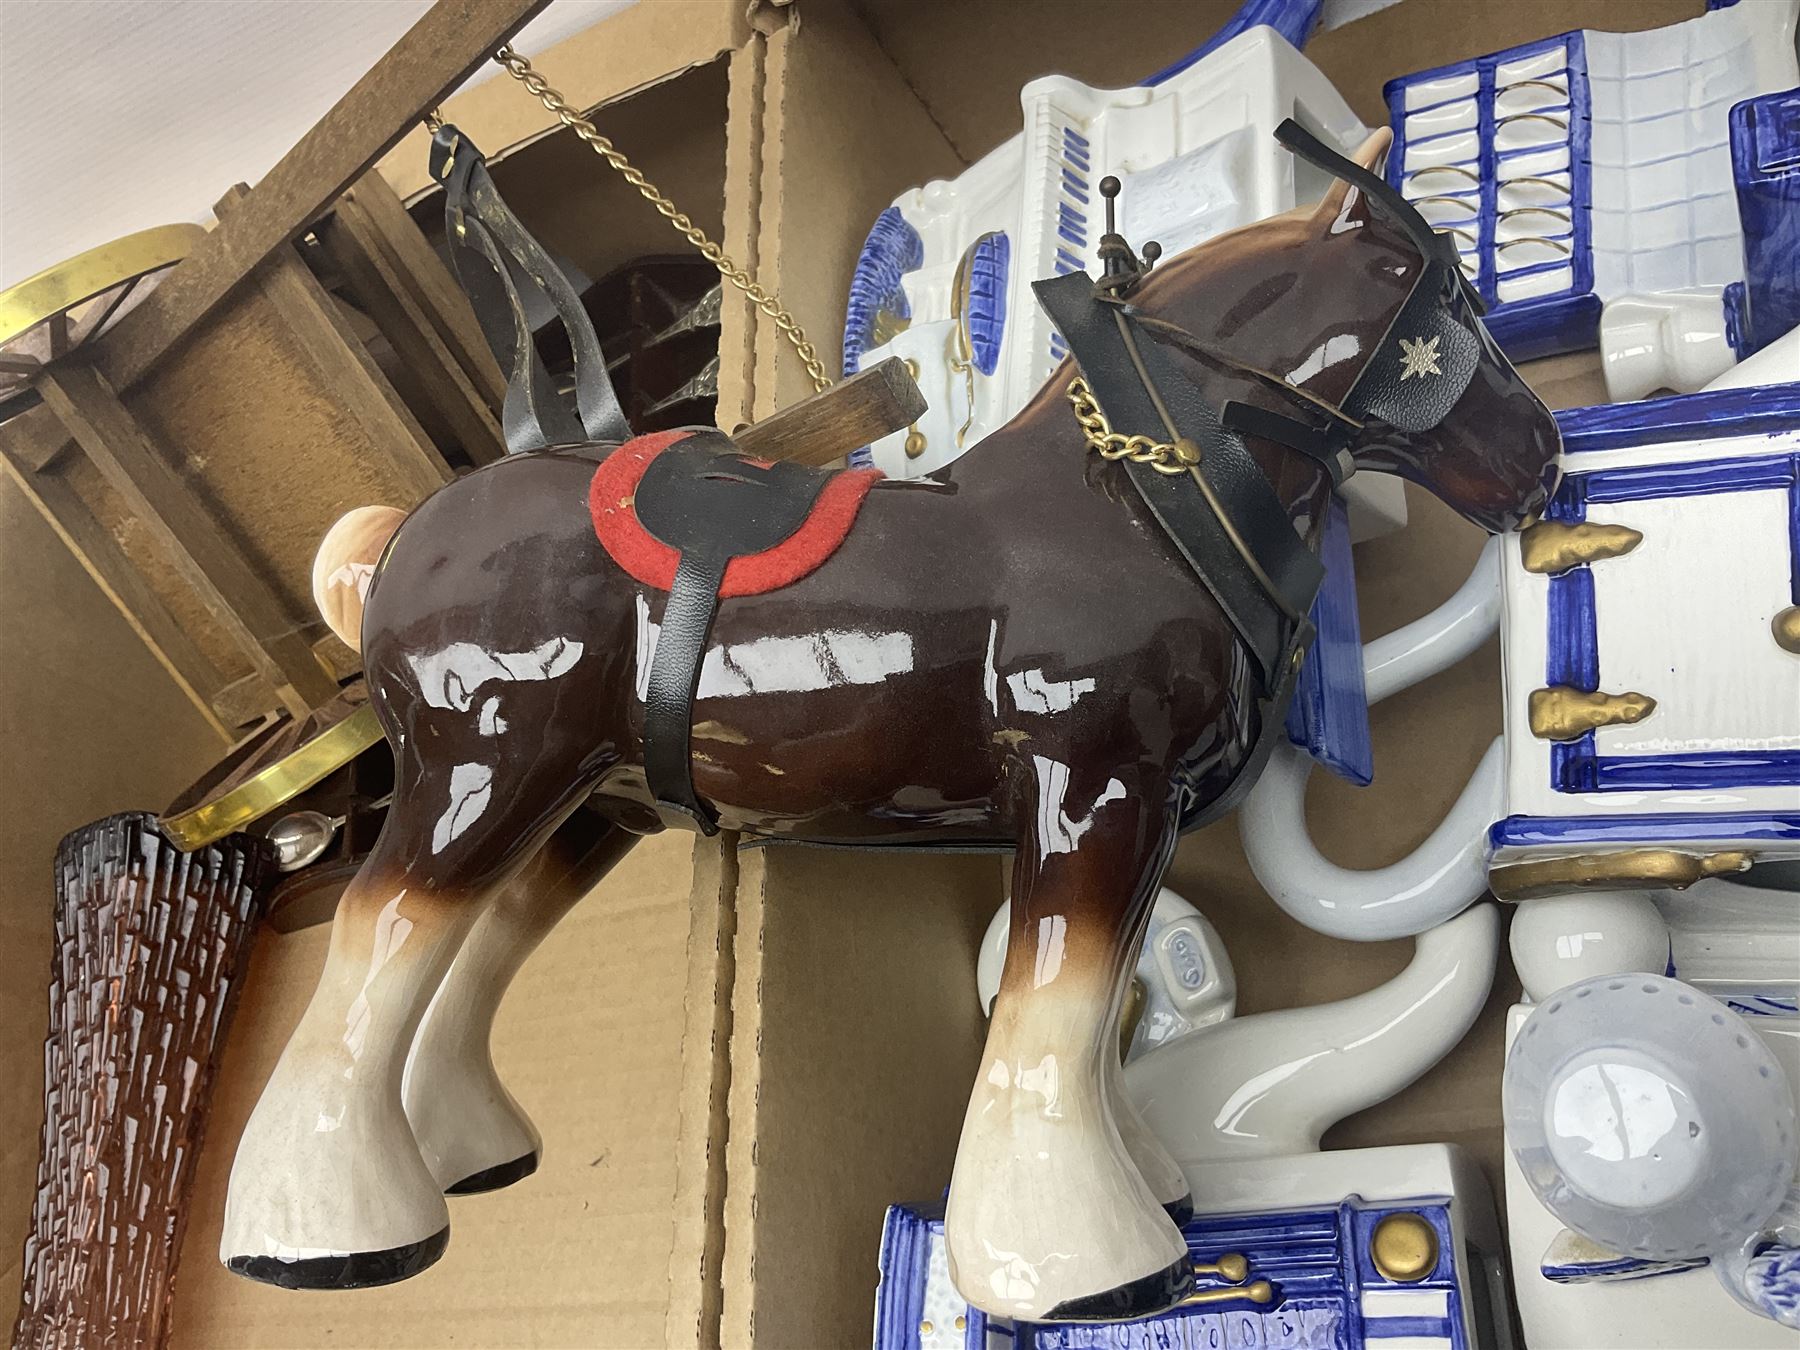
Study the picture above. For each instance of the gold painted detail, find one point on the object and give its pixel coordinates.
(1420, 358)
(1163, 456)
(1232, 1267)
(1640, 869)
(1786, 628)
(1560, 713)
(1131, 1014)
(281, 782)
(785, 323)
(1549, 546)
(1404, 1247)
(1258, 1291)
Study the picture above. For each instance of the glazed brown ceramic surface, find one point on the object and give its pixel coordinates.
(151, 945)
(1008, 655)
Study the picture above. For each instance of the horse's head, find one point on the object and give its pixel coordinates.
(1359, 308)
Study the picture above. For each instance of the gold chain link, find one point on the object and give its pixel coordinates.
(520, 69)
(1163, 456)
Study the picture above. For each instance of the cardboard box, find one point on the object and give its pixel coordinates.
(739, 1059)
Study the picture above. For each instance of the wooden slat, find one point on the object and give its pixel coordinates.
(102, 559)
(430, 284)
(353, 247)
(828, 426)
(342, 362)
(436, 55)
(34, 440)
(244, 605)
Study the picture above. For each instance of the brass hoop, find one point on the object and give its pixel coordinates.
(1550, 211)
(1561, 123)
(58, 289)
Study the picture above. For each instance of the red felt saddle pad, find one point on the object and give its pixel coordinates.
(612, 502)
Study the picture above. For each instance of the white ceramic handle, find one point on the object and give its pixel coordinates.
(1271, 1084)
(1449, 870)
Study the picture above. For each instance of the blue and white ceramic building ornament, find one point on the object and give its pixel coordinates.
(1765, 153)
(944, 279)
(1408, 1258)
(1366, 1247)
(1651, 654)
(1590, 166)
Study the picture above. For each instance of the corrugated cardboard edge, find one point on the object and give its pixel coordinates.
(737, 1325)
(699, 1239)
(743, 199)
(619, 56)
(868, 147)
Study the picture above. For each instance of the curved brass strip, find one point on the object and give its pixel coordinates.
(281, 782)
(60, 288)
(1564, 714)
(1549, 546)
(1642, 869)
(1420, 172)
(1550, 183)
(1786, 628)
(1551, 118)
(1473, 204)
(1563, 216)
(1527, 84)
(1534, 239)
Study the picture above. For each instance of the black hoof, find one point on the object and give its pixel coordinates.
(1180, 1210)
(504, 1174)
(357, 1270)
(1141, 1298)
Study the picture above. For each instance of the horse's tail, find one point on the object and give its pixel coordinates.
(345, 564)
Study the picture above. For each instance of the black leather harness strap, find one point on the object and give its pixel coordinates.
(711, 506)
(496, 261)
(1268, 611)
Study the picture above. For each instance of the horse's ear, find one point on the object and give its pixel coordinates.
(1343, 201)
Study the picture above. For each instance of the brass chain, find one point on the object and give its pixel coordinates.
(521, 70)
(1163, 456)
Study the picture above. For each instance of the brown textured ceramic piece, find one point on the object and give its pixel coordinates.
(151, 945)
(1010, 654)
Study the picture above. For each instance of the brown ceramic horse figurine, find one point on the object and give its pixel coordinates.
(1010, 654)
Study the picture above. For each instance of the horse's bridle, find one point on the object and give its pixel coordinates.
(1222, 514)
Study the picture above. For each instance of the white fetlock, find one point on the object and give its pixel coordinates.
(1049, 1218)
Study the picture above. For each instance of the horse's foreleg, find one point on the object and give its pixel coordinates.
(473, 1135)
(1049, 1216)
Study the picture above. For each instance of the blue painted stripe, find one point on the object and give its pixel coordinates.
(1080, 241)
(1075, 186)
(1064, 256)
(1074, 137)
(1573, 657)
(1718, 769)
(1518, 831)
(1695, 478)
(1768, 410)
(1388, 1328)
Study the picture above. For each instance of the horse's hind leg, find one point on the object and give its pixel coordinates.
(473, 1135)
(328, 1189)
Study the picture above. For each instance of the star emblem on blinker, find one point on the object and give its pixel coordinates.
(1421, 358)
